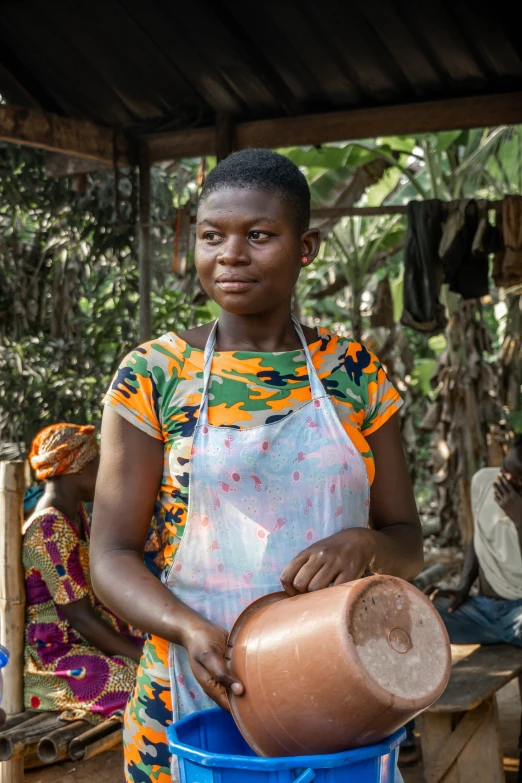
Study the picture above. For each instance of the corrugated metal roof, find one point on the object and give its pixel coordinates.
(167, 65)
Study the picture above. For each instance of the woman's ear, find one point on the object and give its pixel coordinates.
(310, 243)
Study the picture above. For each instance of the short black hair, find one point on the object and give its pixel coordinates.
(263, 170)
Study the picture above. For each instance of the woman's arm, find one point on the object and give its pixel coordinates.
(393, 512)
(126, 490)
(84, 619)
(392, 545)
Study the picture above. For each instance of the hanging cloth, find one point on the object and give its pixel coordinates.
(257, 498)
(507, 267)
(465, 227)
(423, 273)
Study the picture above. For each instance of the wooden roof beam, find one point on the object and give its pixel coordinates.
(428, 117)
(53, 133)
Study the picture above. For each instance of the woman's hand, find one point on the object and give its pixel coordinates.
(332, 561)
(457, 595)
(206, 644)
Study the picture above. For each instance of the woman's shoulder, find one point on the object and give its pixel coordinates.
(169, 344)
(47, 521)
(340, 352)
(155, 362)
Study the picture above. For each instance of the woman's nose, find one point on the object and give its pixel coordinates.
(233, 251)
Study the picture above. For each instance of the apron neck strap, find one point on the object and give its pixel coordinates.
(316, 386)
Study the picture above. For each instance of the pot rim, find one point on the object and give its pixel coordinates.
(253, 608)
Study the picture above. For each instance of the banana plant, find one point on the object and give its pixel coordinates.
(358, 247)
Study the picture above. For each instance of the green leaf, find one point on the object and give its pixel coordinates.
(441, 141)
(376, 195)
(515, 420)
(437, 344)
(397, 292)
(422, 374)
(398, 143)
(329, 157)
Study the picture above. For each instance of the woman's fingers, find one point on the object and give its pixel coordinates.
(347, 576)
(215, 679)
(215, 665)
(323, 578)
(209, 685)
(306, 573)
(290, 572)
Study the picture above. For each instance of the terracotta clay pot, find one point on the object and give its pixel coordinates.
(336, 669)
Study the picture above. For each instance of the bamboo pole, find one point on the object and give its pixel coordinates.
(55, 746)
(14, 742)
(106, 743)
(324, 213)
(17, 720)
(101, 737)
(145, 252)
(12, 599)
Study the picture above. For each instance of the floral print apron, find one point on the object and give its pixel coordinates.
(258, 497)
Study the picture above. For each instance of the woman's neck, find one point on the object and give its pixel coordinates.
(62, 496)
(268, 332)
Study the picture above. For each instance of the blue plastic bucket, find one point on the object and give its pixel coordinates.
(210, 749)
(4, 660)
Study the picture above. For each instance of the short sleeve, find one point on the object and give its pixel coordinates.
(133, 392)
(61, 558)
(382, 401)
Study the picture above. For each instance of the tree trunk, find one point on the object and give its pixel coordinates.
(510, 387)
(470, 415)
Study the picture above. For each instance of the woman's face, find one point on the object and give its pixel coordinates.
(249, 249)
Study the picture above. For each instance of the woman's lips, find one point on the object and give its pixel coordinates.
(236, 286)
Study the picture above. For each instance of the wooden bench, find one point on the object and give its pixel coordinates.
(460, 734)
(29, 739)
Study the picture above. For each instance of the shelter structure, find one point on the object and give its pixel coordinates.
(102, 83)
(114, 83)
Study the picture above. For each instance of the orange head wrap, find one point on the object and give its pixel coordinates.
(61, 449)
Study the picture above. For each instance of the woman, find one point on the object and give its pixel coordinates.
(263, 438)
(79, 661)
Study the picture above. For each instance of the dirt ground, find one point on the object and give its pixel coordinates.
(107, 768)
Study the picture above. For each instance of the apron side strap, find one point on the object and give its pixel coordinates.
(316, 386)
(207, 367)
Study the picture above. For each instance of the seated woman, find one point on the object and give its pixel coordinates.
(80, 659)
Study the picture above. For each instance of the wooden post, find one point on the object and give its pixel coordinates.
(224, 136)
(12, 599)
(144, 252)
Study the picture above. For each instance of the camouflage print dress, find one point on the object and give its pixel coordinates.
(158, 389)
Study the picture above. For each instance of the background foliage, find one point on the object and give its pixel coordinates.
(69, 289)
